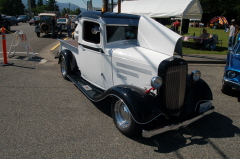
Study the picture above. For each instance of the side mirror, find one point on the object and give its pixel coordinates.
(95, 30)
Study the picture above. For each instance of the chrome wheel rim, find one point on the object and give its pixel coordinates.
(63, 66)
(122, 114)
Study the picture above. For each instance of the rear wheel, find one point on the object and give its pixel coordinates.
(64, 68)
(226, 89)
(122, 118)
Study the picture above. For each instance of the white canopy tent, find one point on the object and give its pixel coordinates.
(185, 9)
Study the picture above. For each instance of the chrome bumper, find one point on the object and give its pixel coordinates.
(150, 133)
(232, 82)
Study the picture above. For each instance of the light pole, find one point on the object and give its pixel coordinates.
(69, 7)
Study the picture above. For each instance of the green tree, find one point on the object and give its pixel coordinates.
(52, 5)
(40, 9)
(13, 7)
(64, 11)
(33, 4)
(78, 11)
(227, 8)
(39, 3)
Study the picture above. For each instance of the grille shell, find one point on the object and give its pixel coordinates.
(172, 93)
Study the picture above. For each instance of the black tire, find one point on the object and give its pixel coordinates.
(122, 118)
(65, 70)
(45, 28)
(38, 34)
(226, 89)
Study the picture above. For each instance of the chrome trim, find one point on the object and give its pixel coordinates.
(202, 101)
(122, 77)
(127, 72)
(148, 72)
(227, 80)
(150, 133)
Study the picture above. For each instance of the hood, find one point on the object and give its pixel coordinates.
(138, 54)
(154, 36)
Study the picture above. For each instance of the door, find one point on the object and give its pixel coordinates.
(90, 55)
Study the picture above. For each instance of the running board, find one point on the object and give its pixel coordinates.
(88, 89)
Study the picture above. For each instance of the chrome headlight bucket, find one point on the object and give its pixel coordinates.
(231, 74)
(156, 82)
(195, 75)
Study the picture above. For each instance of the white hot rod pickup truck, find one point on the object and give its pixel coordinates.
(130, 59)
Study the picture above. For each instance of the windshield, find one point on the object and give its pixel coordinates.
(45, 17)
(117, 33)
(61, 20)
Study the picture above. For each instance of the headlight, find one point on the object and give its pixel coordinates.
(231, 74)
(156, 82)
(195, 75)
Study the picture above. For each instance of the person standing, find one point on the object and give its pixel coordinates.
(176, 25)
(233, 31)
(68, 25)
(53, 26)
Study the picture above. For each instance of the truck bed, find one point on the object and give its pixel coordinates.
(72, 42)
(71, 45)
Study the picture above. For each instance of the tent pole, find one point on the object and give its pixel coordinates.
(181, 26)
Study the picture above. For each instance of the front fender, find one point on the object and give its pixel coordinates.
(196, 93)
(143, 107)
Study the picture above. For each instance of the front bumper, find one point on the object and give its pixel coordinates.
(231, 83)
(150, 133)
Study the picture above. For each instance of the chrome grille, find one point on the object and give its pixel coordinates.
(175, 87)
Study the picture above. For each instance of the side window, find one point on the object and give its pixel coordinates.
(87, 32)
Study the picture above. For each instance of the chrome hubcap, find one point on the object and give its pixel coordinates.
(63, 65)
(122, 114)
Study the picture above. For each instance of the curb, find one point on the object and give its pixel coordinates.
(206, 62)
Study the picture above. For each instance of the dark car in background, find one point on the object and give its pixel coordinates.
(13, 20)
(34, 20)
(231, 77)
(4, 22)
(23, 18)
(62, 23)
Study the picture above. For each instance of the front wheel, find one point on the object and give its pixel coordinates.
(123, 119)
(226, 89)
(38, 34)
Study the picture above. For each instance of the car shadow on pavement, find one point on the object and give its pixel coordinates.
(234, 93)
(214, 125)
(104, 106)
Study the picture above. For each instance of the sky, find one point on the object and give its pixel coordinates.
(81, 4)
